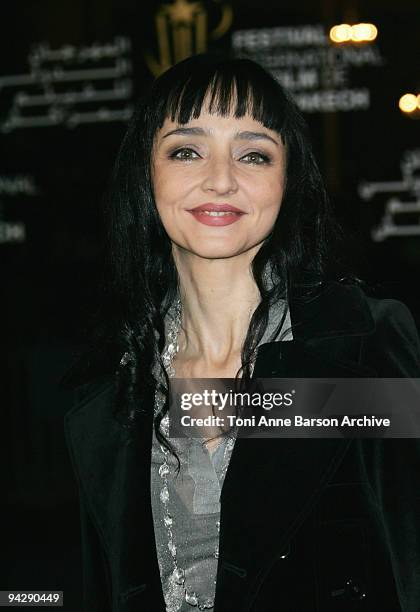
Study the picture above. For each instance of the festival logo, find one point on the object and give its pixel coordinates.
(182, 30)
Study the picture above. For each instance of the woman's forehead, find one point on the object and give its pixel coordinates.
(211, 121)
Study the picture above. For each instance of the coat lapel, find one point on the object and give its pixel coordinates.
(270, 486)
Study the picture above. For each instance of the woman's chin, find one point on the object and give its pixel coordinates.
(215, 251)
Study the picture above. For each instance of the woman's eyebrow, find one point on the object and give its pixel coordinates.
(197, 131)
(191, 131)
(255, 136)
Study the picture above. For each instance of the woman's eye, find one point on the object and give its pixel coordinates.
(184, 154)
(255, 158)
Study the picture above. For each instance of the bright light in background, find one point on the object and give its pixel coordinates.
(340, 33)
(359, 32)
(409, 102)
(364, 31)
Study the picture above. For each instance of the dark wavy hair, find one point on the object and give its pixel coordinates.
(141, 279)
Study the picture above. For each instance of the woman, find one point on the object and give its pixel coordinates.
(222, 260)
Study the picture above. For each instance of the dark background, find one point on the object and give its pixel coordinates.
(48, 274)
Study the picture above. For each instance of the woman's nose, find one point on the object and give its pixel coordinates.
(220, 177)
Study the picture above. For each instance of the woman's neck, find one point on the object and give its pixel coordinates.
(218, 299)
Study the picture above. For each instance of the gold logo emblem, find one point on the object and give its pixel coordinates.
(182, 31)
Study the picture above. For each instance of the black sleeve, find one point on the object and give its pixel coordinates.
(97, 591)
(96, 575)
(392, 466)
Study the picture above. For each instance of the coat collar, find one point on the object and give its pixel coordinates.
(114, 470)
(336, 309)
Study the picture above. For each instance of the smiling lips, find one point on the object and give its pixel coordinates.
(216, 214)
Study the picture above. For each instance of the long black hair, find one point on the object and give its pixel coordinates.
(141, 279)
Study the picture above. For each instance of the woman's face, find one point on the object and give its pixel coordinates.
(232, 169)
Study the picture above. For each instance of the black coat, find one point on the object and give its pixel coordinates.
(326, 525)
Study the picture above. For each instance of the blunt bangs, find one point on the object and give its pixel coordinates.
(235, 87)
